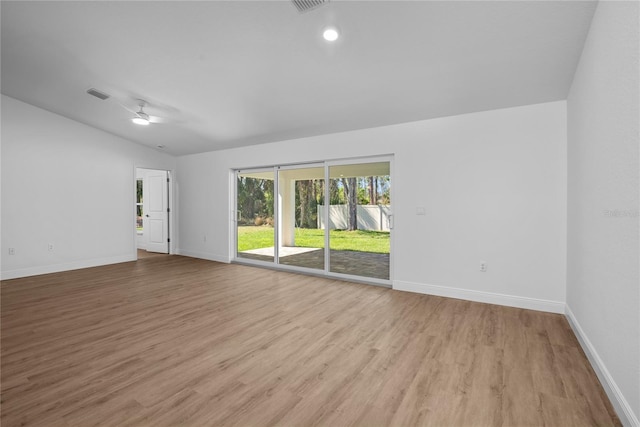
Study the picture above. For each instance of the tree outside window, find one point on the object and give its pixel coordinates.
(139, 223)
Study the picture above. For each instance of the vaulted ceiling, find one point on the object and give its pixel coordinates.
(234, 73)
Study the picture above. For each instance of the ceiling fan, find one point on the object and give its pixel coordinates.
(140, 117)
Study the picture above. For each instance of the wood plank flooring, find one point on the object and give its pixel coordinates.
(171, 340)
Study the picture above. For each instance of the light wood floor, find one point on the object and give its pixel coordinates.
(176, 341)
(144, 254)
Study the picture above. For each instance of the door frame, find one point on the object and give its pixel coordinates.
(171, 218)
(355, 161)
(233, 203)
(233, 173)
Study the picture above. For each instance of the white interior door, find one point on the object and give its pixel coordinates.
(156, 211)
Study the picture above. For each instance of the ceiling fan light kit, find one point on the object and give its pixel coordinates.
(140, 121)
(141, 118)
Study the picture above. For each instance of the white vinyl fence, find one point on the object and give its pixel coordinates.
(370, 217)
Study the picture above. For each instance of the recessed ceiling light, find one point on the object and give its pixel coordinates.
(330, 34)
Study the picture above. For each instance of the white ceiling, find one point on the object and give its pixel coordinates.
(236, 73)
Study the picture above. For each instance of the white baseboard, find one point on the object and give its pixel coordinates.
(620, 404)
(481, 296)
(203, 255)
(56, 268)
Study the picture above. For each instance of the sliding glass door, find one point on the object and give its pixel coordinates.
(360, 219)
(289, 215)
(300, 192)
(255, 213)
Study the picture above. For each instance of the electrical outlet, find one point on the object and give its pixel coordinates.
(12, 251)
(50, 247)
(483, 266)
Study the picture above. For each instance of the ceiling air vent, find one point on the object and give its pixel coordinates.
(307, 5)
(97, 93)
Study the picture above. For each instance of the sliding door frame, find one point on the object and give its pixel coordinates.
(277, 223)
(235, 173)
(351, 277)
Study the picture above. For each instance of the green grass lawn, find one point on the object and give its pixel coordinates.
(253, 237)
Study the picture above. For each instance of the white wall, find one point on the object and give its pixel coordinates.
(493, 185)
(67, 184)
(603, 281)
